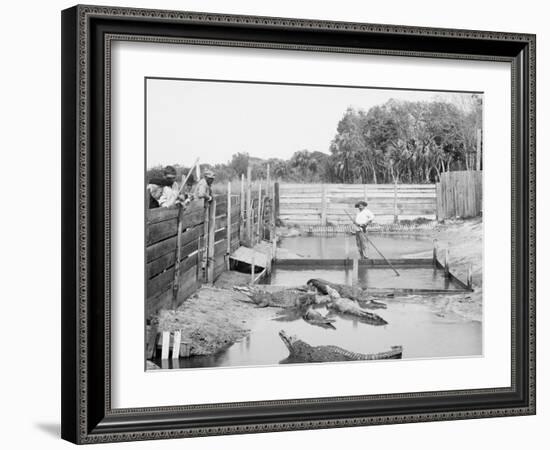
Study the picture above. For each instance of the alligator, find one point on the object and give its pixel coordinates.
(352, 292)
(348, 307)
(316, 318)
(301, 351)
(285, 298)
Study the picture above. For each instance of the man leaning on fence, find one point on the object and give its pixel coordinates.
(166, 192)
(163, 192)
(362, 219)
(204, 187)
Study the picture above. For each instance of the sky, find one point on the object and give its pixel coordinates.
(210, 120)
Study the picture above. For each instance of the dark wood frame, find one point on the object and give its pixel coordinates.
(87, 32)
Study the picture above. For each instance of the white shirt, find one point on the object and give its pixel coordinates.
(364, 217)
(169, 196)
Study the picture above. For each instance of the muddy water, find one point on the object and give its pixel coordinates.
(342, 245)
(414, 326)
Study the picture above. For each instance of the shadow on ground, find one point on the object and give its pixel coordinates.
(53, 429)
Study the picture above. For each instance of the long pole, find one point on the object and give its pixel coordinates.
(374, 246)
(188, 175)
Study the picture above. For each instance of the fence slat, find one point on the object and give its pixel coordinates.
(327, 203)
(459, 194)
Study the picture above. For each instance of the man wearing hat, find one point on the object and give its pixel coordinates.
(204, 186)
(163, 191)
(362, 219)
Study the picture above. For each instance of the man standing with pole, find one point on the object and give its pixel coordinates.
(362, 219)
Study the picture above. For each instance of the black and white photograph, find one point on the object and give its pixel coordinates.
(277, 225)
(301, 223)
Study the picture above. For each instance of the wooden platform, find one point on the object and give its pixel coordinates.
(251, 256)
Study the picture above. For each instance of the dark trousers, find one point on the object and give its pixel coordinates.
(361, 238)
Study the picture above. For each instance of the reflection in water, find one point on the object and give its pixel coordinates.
(422, 278)
(343, 245)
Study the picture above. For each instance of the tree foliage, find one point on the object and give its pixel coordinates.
(403, 141)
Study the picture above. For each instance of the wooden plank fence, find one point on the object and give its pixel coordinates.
(326, 204)
(459, 194)
(187, 248)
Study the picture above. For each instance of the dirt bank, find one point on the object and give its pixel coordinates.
(212, 319)
(464, 241)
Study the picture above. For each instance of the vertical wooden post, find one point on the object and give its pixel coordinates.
(346, 245)
(241, 219)
(165, 345)
(228, 226)
(176, 345)
(273, 228)
(438, 202)
(323, 204)
(210, 260)
(355, 271)
(268, 181)
(175, 283)
(204, 249)
(252, 268)
(434, 255)
(276, 198)
(478, 149)
(267, 201)
(446, 263)
(249, 205)
(199, 259)
(395, 216)
(469, 277)
(258, 225)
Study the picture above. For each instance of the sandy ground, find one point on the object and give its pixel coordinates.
(217, 316)
(464, 240)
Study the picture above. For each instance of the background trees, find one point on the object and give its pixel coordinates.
(399, 141)
(410, 142)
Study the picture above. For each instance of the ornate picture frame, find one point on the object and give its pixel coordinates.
(87, 35)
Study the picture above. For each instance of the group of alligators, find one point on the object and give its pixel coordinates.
(351, 301)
